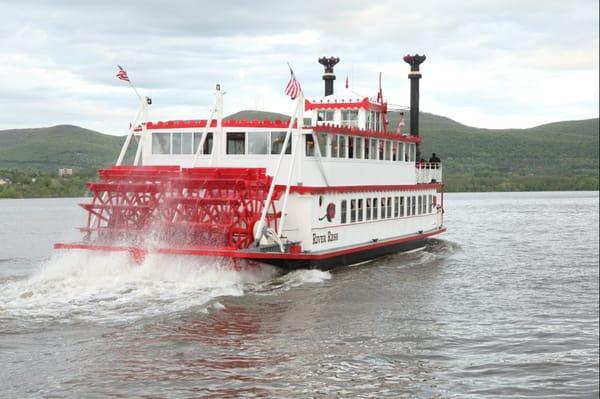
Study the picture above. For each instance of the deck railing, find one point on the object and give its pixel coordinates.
(428, 172)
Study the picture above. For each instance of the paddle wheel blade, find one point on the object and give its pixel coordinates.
(169, 206)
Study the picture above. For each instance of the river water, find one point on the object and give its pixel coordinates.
(503, 305)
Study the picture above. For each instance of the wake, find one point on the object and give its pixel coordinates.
(86, 286)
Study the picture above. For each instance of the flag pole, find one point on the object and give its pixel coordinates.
(135, 90)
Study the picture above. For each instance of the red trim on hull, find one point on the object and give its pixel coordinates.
(234, 253)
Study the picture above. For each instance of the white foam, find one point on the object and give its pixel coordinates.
(85, 285)
(303, 276)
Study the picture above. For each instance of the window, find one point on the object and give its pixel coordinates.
(277, 139)
(309, 148)
(342, 146)
(430, 202)
(236, 143)
(373, 120)
(396, 206)
(258, 143)
(360, 210)
(408, 206)
(388, 150)
(349, 118)
(207, 143)
(181, 143)
(401, 151)
(377, 121)
(161, 143)
(351, 141)
(368, 208)
(176, 143)
(374, 208)
(389, 207)
(383, 208)
(381, 147)
(352, 211)
(333, 146)
(343, 212)
(420, 204)
(373, 148)
(412, 152)
(413, 211)
(358, 147)
(186, 143)
(367, 148)
(325, 116)
(394, 151)
(322, 139)
(401, 206)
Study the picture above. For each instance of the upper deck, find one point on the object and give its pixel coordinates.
(347, 155)
(340, 139)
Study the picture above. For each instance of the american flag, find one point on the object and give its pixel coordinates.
(122, 74)
(293, 87)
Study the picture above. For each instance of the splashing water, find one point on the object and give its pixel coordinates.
(87, 286)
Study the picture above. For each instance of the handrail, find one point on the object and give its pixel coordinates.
(428, 172)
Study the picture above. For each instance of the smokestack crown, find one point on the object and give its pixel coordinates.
(329, 63)
(328, 76)
(414, 61)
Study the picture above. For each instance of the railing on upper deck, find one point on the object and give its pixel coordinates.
(429, 172)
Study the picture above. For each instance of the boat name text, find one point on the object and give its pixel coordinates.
(323, 238)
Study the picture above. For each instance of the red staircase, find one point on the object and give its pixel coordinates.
(169, 206)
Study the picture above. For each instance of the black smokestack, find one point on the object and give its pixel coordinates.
(328, 76)
(414, 61)
(414, 75)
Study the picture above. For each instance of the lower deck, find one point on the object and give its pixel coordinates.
(323, 260)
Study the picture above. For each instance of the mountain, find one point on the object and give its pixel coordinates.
(561, 155)
(56, 147)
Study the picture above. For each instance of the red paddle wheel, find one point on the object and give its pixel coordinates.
(169, 206)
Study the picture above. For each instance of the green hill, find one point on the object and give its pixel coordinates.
(561, 155)
(57, 147)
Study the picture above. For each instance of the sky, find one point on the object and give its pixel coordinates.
(491, 64)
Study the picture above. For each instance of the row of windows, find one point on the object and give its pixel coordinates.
(256, 143)
(331, 146)
(350, 118)
(180, 143)
(385, 208)
(236, 143)
(341, 146)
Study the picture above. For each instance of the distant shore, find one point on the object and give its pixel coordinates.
(36, 184)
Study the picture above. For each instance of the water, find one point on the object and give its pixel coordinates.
(503, 305)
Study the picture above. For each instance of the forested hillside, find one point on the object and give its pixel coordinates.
(555, 156)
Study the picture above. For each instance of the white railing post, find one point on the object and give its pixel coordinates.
(261, 221)
(218, 138)
(138, 152)
(295, 149)
(143, 105)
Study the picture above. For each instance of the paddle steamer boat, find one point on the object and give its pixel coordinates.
(332, 186)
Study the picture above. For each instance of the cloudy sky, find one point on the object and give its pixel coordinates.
(494, 63)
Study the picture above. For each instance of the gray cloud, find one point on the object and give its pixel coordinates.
(496, 63)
